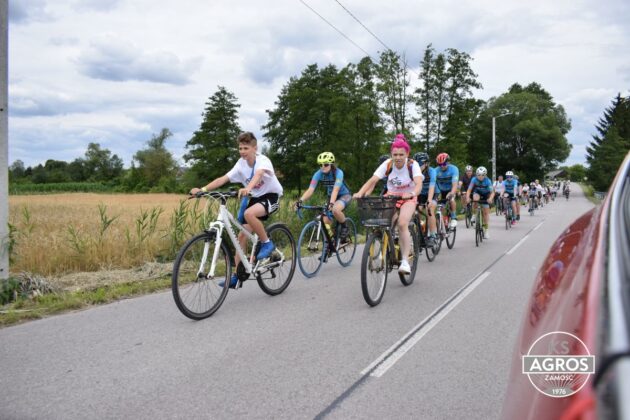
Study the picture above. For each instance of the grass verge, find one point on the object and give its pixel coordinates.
(589, 192)
(37, 307)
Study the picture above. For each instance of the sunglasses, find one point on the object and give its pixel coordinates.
(443, 164)
(325, 165)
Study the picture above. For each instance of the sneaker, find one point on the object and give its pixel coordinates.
(431, 242)
(343, 233)
(265, 250)
(404, 268)
(233, 282)
(486, 235)
(518, 217)
(513, 222)
(453, 224)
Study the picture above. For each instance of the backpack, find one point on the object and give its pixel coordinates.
(390, 166)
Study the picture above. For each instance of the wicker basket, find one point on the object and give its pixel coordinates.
(376, 211)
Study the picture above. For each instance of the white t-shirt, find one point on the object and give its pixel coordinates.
(499, 187)
(540, 189)
(398, 181)
(242, 172)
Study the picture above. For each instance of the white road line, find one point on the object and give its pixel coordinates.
(388, 359)
(539, 225)
(519, 243)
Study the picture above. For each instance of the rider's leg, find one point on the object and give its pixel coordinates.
(432, 222)
(405, 214)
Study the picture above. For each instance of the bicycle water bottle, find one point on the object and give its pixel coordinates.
(329, 230)
(397, 246)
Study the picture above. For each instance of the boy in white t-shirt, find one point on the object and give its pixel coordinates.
(256, 174)
(399, 183)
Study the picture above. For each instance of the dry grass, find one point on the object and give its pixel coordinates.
(67, 233)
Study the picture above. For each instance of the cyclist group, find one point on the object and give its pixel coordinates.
(412, 180)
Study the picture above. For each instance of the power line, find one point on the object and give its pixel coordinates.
(361, 23)
(335, 28)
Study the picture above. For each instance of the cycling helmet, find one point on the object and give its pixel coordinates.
(421, 158)
(469, 168)
(509, 173)
(442, 158)
(481, 171)
(325, 157)
(382, 159)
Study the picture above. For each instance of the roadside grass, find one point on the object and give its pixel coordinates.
(589, 192)
(40, 306)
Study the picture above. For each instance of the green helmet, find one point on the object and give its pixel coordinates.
(326, 157)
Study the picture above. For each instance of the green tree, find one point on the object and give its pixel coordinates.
(211, 150)
(531, 140)
(444, 100)
(393, 88)
(17, 171)
(99, 164)
(156, 164)
(610, 145)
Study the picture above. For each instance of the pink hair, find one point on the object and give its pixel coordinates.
(400, 142)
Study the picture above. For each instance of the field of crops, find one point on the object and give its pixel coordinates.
(57, 234)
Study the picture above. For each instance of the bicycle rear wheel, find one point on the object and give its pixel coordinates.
(374, 268)
(414, 253)
(196, 295)
(276, 274)
(311, 248)
(346, 251)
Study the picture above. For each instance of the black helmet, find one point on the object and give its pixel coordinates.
(421, 157)
(382, 159)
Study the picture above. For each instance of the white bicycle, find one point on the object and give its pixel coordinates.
(203, 267)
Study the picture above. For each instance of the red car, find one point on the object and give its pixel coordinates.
(583, 290)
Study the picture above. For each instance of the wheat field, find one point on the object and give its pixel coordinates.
(62, 233)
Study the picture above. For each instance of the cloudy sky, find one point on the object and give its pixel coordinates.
(117, 71)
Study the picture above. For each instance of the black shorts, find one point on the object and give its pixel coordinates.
(511, 196)
(442, 195)
(422, 199)
(269, 201)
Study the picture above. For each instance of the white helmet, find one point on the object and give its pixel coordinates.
(469, 168)
(481, 171)
(509, 173)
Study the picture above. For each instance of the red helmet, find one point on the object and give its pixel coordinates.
(442, 158)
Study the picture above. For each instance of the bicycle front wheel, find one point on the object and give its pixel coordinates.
(451, 233)
(374, 268)
(274, 277)
(346, 251)
(311, 248)
(440, 234)
(197, 294)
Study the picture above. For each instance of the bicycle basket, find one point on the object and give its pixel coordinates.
(376, 211)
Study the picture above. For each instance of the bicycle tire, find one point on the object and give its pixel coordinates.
(373, 291)
(451, 234)
(190, 285)
(311, 263)
(440, 234)
(345, 255)
(275, 280)
(407, 279)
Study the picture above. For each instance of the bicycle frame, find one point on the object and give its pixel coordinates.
(332, 246)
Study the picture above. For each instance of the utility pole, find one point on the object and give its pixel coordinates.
(4, 140)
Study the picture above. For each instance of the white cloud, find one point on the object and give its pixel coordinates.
(116, 71)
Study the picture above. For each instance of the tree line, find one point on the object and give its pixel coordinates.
(354, 112)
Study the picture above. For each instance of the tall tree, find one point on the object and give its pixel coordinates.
(211, 148)
(100, 164)
(610, 145)
(447, 81)
(393, 87)
(156, 163)
(531, 140)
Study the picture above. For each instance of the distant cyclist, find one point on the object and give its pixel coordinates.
(481, 188)
(339, 195)
(447, 180)
(464, 182)
(499, 189)
(427, 195)
(510, 186)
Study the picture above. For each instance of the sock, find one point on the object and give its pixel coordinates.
(267, 241)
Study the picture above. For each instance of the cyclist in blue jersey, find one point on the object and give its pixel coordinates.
(427, 194)
(447, 181)
(510, 186)
(339, 195)
(481, 187)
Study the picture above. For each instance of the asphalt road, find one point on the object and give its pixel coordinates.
(439, 348)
